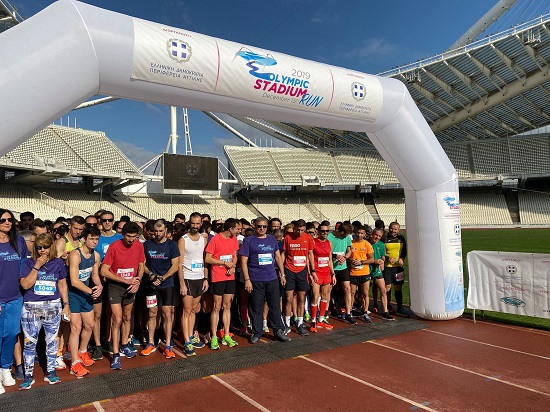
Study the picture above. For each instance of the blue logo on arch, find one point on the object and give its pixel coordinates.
(451, 201)
(256, 61)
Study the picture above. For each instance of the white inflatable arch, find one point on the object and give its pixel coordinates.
(71, 51)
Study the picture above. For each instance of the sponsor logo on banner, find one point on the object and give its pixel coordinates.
(451, 202)
(179, 50)
(457, 229)
(358, 91)
(513, 301)
(511, 269)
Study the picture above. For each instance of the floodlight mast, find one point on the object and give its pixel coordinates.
(101, 52)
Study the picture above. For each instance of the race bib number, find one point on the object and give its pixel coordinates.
(45, 287)
(197, 265)
(359, 266)
(322, 262)
(150, 301)
(299, 260)
(400, 276)
(84, 274)
(226, 258)
(265, 259)
(125, 273)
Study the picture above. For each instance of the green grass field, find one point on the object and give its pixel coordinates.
(503, 240)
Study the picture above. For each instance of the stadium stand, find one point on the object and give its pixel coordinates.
(483, 209)
(534, 208)
(391, 208)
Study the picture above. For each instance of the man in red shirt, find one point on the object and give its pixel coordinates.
(123, 268)
(298, 259)
(221, 254)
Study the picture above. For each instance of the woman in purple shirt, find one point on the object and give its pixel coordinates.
(44, 279)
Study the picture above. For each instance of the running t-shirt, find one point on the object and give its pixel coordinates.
(104, 243)
(360, 250)
(379, 252)
(46, 286)
(124, 261)
(158, 258)
(296, 251)
(222, 249)
(10, 267)
(261, 257)
(193, 257)
(396, 247)
(339, 247)
(322, 256)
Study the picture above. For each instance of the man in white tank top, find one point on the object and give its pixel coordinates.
(193, 280)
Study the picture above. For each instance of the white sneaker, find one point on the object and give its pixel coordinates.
(59, 364)
(2, 390)
(7, 379)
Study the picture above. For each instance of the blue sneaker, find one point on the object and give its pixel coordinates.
(135, 341)
(366, 318)
(27, 383)
(19, 372)
(52, 378)
(131, 347)
(188, 349)
(127, 352)
(115, 364)
(196, 340)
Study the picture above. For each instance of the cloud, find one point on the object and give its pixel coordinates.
(371, 49)
(138, 155)
(325, 16)
(156, 109)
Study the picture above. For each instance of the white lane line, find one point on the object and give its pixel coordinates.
(239, 393)
(493, 378)
(98, 407)
(370, 385)
(526, 330)
(487, 344)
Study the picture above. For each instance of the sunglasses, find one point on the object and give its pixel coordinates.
(261, 226)
(324, 231)
(9, 219)
(43, 247)
(107, 220)
(91, 224)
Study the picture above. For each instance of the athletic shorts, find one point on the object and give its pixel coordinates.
(394, 275)
(164, 296)
(342, 275)
(194, 287)
(325, 279)
(376, 274)
(359, 280)
(224, 287)
(118, 294)
(80, 302)
(296, 281)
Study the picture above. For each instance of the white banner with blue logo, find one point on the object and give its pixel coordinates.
(182, 58)
(509, 282)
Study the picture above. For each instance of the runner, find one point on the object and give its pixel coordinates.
(376, 269)
(394, 273)
(362, 255)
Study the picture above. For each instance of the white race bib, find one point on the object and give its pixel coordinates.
(265, 259)
(400, 276)
(150, 301)
(299, 260)
(45, 287)
(125, 273)
(226, 258)
(322, 261)
(197, 265)
(84, 274)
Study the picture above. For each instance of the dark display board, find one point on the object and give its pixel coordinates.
(184, 172)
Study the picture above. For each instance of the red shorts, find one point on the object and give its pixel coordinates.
(324, 279)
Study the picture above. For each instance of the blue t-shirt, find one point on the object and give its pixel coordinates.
(261, 257)
(10, 266)
(46, 286)
(104, 243)
(158, 258)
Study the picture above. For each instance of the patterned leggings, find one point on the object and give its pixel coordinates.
(34, 316)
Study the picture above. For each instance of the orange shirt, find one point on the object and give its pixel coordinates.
(296, 251)
(360, 250)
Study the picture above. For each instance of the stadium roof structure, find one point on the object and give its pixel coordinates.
(9, 16)
(495, 87)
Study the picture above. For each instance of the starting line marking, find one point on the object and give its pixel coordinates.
(493, 378)
(98, 407)
(402, 398)
(239, 393)
(487, 344)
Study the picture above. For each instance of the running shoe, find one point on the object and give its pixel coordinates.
(131, 346)
(97, 354)
(374, 309)
(60, 364)
(169, 353)
(313, 327)
(214, 345)
(188, 349)
(287, 330)
(2, 390)
(207, 338)
(301, 330)
(351, 320)
(19, 372)
(281, 336)
(27, 383)
(228, 340)
(402, 312)
(79, 370)
(107, 347)
(6, 378)
(85, 358)
(52, 378)
(135, 341)
(265, 328)
(325, 325)
(150, 348)
(255, 339)
(221, 334)
(127, 352)
(223, 342)
(387, 316)
(307, 317)
(391, 309)
(196, 340)
(366, 318)
(115, 363)
(67, 355)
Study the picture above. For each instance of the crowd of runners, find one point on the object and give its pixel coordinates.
(74, 290)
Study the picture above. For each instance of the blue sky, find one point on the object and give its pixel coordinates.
(365, 35)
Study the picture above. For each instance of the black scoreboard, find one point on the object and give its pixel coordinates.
(184, 172)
